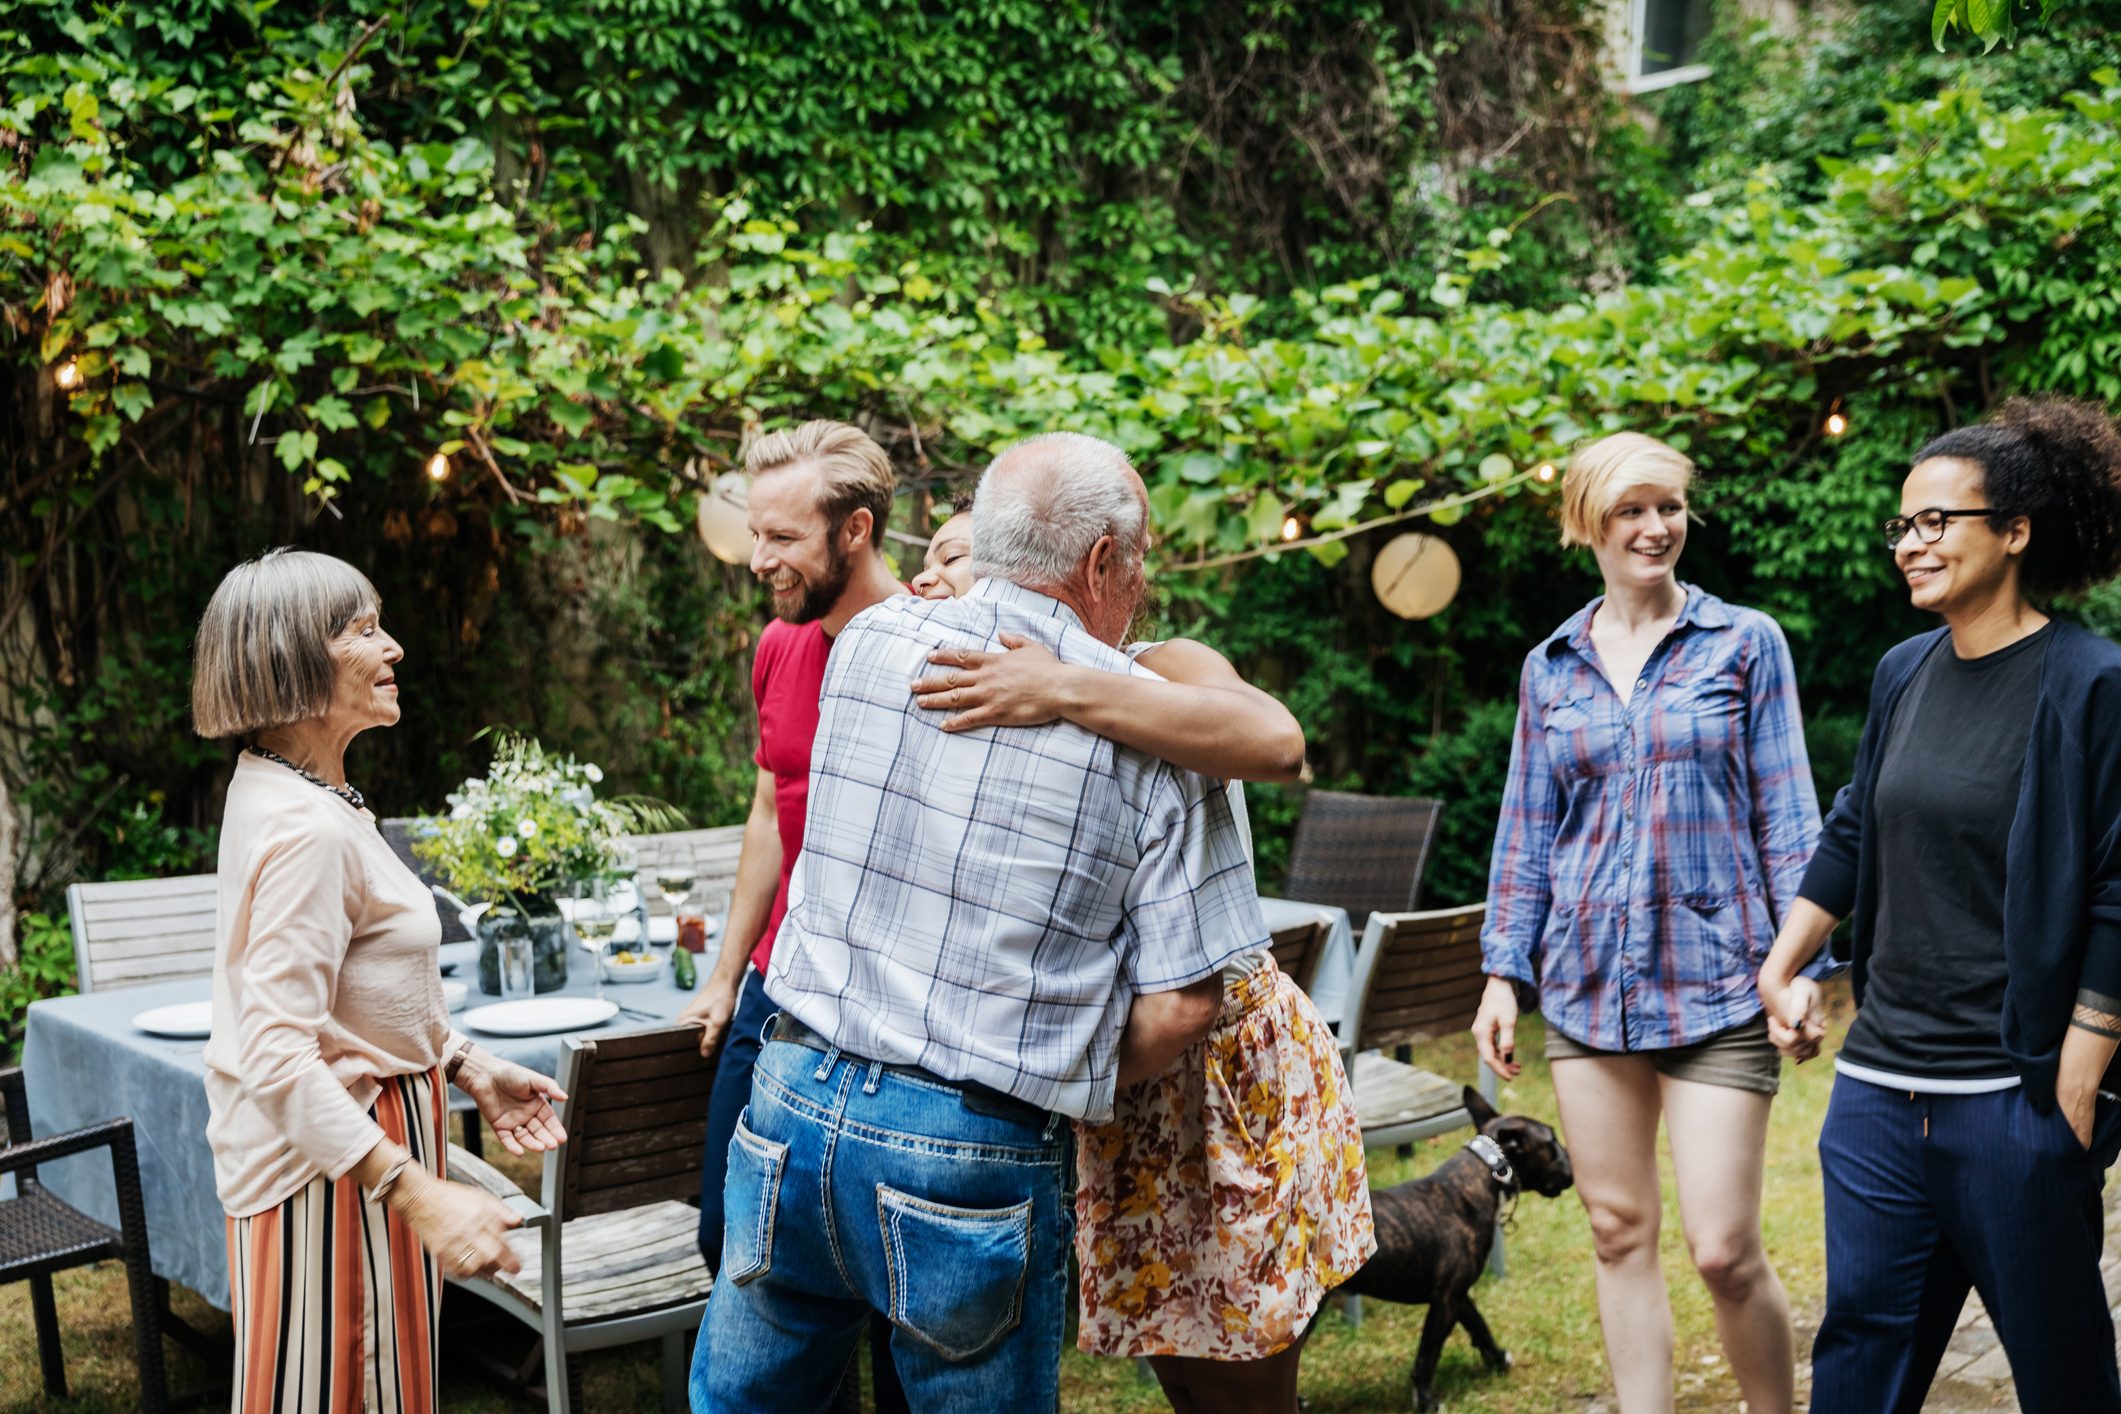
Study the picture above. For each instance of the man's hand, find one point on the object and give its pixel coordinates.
(711, 1010)
(1160, 1025)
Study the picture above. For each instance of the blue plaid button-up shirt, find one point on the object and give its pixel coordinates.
(1647, 851)
(987, 904)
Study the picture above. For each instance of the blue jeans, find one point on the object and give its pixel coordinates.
(731, 1092)
(853, 1188)
(1927, 1195)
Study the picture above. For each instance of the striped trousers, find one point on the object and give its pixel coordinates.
(336, 1304)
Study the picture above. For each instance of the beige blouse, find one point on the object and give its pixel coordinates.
(326, 981)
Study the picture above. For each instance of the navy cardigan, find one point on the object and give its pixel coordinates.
(2062, 870)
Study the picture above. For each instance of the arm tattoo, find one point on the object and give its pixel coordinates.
(2099, 1023)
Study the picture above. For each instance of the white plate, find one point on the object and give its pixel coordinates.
(454, 994)
(187, 1021)
(540, 1016)
(647, 970)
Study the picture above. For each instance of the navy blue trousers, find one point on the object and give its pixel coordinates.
(1928, 1195)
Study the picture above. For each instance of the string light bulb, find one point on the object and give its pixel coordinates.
(1291, 527)
(67, 375)
(438, 467)
(1544, 473)
(1836, 423)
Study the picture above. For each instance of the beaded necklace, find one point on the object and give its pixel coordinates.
(346, 793)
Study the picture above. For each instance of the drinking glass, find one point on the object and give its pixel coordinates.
(674, 879)
(596, 921)
(518, 973)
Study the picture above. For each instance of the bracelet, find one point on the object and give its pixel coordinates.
(389, 1179)
(456, 1061)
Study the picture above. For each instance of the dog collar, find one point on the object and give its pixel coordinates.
(1490, 1153)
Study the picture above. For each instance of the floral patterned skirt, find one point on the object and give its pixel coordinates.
(1227, 1196)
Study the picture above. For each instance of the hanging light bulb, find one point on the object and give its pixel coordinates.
(1836, 424)
(1291, 527)
(67, 375)
(1545, 472)
(438, 467)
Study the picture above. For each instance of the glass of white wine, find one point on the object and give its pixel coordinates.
(596, 922)
(674, 880)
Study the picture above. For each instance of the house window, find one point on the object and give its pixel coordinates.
(1664, 37)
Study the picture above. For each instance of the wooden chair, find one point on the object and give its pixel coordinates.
(611, 1256)
(1298, 948)
(1365, 853)
(143, 930)
(1417, 977)
(40, 1235)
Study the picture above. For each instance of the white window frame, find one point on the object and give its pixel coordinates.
(1632, 79)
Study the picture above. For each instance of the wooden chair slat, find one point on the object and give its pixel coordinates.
(675, 1187)
(605, 1148)
(132, 931)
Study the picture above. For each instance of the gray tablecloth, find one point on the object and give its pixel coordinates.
(84, 1062)
(1336, 966)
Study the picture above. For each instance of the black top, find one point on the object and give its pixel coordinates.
(1946, 795)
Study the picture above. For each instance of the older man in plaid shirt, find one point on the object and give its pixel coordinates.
(987, 931)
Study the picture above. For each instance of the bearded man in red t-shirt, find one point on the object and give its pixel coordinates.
(820, 496)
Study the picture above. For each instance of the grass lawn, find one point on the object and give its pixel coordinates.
(1544, 1312)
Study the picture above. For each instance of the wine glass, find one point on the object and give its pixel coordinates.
(674, 881)
(596, 922)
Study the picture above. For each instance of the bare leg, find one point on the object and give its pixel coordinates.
(1609, 1110)
(1238, 1386)
(1719, 1151)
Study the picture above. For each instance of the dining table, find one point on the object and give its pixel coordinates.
(85, 1062)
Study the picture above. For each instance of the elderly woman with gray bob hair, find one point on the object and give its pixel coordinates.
(331, 1047)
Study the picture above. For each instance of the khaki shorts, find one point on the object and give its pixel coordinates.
(1742, 1058)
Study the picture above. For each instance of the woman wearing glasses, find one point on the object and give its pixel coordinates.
(1657, 817)
(1978, 852)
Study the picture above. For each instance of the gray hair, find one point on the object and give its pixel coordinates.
(263, 657)
(1034, 521)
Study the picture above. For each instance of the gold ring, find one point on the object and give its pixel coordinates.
(470, 1260)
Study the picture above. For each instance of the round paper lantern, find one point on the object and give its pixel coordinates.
(1415, 575)
(722, 518)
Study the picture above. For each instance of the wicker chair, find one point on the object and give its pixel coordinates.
(1364, 853)
(399, 833)
(40, 1235)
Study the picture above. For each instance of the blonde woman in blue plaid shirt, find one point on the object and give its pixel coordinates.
(1656, 823)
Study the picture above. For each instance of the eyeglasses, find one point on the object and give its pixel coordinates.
(1928, 525)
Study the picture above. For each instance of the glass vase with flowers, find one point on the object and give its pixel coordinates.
(528, 833)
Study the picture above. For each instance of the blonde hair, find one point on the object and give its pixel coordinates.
(263, 657)
(1600, 473)
(856, 472)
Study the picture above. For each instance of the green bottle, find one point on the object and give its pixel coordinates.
(682, 970)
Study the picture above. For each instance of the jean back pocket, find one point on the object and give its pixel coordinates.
(957, 1274)
(751, 1200)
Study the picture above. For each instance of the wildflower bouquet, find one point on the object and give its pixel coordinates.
(532, 826)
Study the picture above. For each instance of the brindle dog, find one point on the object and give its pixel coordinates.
(1433, 1233)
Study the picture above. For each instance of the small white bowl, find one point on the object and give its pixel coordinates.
(645, 969)
(454, 994)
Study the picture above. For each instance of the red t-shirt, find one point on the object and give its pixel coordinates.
(787, 678)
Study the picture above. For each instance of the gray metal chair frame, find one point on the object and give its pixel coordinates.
(40, 1235)
(1364, 853)
(636, 1118)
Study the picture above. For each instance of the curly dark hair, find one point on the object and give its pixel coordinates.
(2056, 461)
(961, 503)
